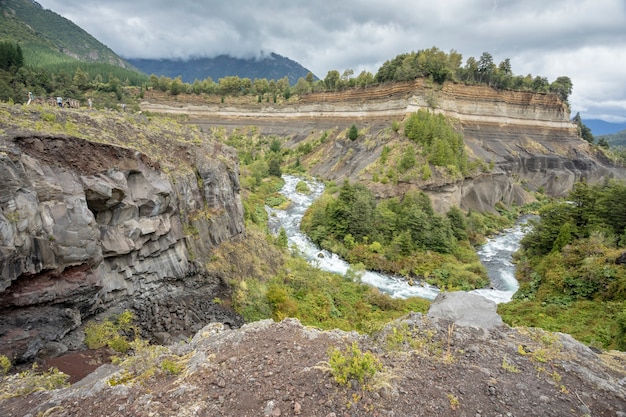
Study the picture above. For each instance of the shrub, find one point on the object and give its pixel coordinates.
(282, 240)
(353, 365)
(353, 133)
(303, 188)
(5, 365)
(275, 145)
(112, 333)
(274, 167)
(395, 126)
(146, 362)
(407, 160)
(384, 154)
(171, 366)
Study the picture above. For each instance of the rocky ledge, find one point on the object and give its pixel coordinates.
(439, 364)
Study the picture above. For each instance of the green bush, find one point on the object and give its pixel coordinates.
(303, 188)
(352, 364)
(353, 133)
(5, 365)
(395, 126)
(274, 167)
(115, 333)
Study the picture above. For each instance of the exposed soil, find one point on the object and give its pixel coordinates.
(435, 369)
(77, 365)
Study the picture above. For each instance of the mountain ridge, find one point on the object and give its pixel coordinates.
(271, 67)
(600, 127)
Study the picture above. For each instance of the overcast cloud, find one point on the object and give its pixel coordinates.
(582, 39)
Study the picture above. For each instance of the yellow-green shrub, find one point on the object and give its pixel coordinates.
(352, 364)
(30, 381)
(112, 333)
(5, 365)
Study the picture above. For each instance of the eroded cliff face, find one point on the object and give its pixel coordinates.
(89, 228)
(527, 138)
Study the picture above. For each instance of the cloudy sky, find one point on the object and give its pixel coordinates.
(582, 39)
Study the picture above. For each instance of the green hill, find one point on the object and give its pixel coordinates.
(48, 39)
(615, 139)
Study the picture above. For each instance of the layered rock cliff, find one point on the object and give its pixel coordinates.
(527, 138)
(91, 224)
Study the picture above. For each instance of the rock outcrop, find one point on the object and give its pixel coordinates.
(466, 309)
(426, 367)
(89, 228)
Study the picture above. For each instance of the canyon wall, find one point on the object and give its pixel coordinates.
(527, 138)
(90, 229)
(120, 214)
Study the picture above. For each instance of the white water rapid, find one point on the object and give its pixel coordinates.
(495, 254)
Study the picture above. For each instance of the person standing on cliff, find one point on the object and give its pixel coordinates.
(90, 102)
(60, 101)
(30, 97)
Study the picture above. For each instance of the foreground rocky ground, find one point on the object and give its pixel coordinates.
(435, 365)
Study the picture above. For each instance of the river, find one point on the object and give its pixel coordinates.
(495, 255)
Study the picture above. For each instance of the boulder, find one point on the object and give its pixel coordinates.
(465, 309)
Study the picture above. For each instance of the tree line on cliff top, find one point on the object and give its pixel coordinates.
(18, 76)
(432, 63)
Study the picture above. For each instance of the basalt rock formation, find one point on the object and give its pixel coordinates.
(526, 137)
(89, 228)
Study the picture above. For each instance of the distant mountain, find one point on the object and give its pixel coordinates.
(271, 67)
(600, 127)
(46, 37)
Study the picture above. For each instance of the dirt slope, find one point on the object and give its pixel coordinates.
(430, 368)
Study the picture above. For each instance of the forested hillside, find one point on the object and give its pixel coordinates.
(49, 55)
(615, 139)
(48, 38)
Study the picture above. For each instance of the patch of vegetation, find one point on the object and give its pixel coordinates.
(321, 299)
(353, 133)
(5, 365)
(570, 280)
(400, 236)
(442, 145)
(116, 333)
(353, 365)
(454, 401)
(545, 352)
(146, 361)
(31, 380)
(509, 366)
(420, 340)
(303, 188)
